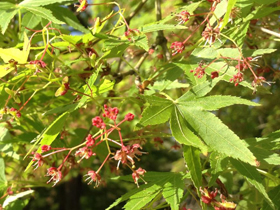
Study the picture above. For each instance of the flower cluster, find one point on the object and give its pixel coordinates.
(177, 47)
(183, 17)
(125, 155)
(111, 113)
(237, 78)
(209, 197)
(137, 174)
(98, 122)
(210, 34)
(199, 72)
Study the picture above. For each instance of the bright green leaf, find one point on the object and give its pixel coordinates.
(5, 69)
(252, 175)
(6, 5)
(192, 159)
(182, 133)
(3, 181)
(216, 134)
(12, 198)
(216, 102)
(198, 91)
(173, 191)
(218, 164)
(67, 16)
(20, 56)
(142, 41)
(37, 3)
(274, 194)
(49, 135)
(140, 199)
(230, 6)
(154, 115)
(157, 181)
(43, 13)
(5, 18)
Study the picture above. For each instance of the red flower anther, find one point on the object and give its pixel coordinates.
(55, 175)
(177, 47)
(38, 159)
(127, 153)
(224, 205)
(237, 78)
(45, 148)
(84, 153)
(83, 5)
(210, 34)
(208, 196)
(93, 177)
(39, 64)
(129, 117)
(258, 81)
(214, 74)
(183, 17)
(98, 122)
(90, 141)
(111, 113)
(136, 175)
(199, 72)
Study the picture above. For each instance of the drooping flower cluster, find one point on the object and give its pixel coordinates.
(93, 177)
(210, 34)
(127, 153)
(55, 175)
(137, 174)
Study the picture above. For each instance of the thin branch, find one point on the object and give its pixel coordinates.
(161, 40)
(139, 7)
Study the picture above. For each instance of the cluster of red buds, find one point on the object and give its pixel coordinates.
(208, 197)
(237, 78)
(125, 155)
(199, 72)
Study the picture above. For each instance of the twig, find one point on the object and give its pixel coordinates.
(161, 40)
(139, 7)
